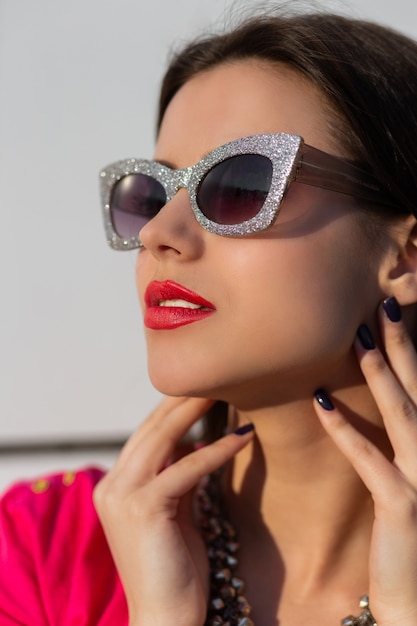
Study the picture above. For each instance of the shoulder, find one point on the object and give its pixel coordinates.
(34, 496)
(54, 556)
(62, 502)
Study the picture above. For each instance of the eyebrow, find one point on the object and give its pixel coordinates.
(172, 166)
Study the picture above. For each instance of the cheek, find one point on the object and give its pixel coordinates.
(301, 301)
(145, 269)
(284, 306)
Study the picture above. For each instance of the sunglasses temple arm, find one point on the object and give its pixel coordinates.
(319, 169)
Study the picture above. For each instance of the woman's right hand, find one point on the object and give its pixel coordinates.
(147, 515)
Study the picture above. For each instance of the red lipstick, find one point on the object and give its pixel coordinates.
(169, 305)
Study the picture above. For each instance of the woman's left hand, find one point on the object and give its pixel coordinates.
(393, 484)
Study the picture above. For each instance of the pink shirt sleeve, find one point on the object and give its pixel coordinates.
(55, 566)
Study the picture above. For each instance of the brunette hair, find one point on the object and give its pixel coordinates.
(367, 72)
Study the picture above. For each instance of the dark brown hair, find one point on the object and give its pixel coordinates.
(367, 72)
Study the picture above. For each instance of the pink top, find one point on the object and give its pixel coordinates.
(55, 566)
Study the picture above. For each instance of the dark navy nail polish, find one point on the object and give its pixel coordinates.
(242, 430)
(365, 337)
(392, 309)
(324, 400)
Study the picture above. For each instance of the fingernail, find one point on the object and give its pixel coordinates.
(324, 400)
(246, 428)
(392, 309)
(365, 337)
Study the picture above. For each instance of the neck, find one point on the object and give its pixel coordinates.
(297, 501)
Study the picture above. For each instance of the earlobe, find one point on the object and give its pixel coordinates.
(401, 277)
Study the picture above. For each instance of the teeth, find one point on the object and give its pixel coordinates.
(179, 303)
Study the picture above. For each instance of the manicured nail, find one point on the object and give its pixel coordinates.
(324, 400)
(392, 309)
(365, 337)
(246, 428)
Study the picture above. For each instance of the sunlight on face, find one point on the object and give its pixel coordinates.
(288, 300)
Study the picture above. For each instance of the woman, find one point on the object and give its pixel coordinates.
(259, 268)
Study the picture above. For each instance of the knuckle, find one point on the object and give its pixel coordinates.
(407, 409)
(403, 507)
(375, 364)
(399, 336)
(99, 491)
(111, 503)
(103, 493)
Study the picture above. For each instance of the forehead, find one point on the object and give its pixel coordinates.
(238, 99)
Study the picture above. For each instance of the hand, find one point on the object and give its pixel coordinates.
(393, 485)
(146, 513)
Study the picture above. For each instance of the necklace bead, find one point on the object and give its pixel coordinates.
(228, 606)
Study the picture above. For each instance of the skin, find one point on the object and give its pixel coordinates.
(325, 502)
(250, 293)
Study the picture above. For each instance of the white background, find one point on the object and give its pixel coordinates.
(78, 89)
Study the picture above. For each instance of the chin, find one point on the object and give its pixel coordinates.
(170, 385)
(186, 383)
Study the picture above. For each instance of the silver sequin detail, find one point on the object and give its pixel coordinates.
(283, 150)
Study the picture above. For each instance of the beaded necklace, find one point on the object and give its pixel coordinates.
(227, 604)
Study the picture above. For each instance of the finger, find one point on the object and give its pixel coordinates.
(180, 478)
(399, 347)
(397, 409)
(148, 453)
(167, 404)
(380, 477)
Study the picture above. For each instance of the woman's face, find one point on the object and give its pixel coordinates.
(287, 301)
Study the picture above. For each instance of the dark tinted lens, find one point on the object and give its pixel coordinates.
(235, 190)
(135, 200)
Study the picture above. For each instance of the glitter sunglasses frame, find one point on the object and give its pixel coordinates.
(291, 158)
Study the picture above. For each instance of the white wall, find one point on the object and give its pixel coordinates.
(78, 87)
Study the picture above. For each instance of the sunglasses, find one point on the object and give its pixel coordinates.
(235, 190)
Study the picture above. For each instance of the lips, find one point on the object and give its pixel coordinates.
(170, 305)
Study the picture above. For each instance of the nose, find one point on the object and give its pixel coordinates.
(174, 230)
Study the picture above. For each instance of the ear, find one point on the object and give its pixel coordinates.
(399, 272)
